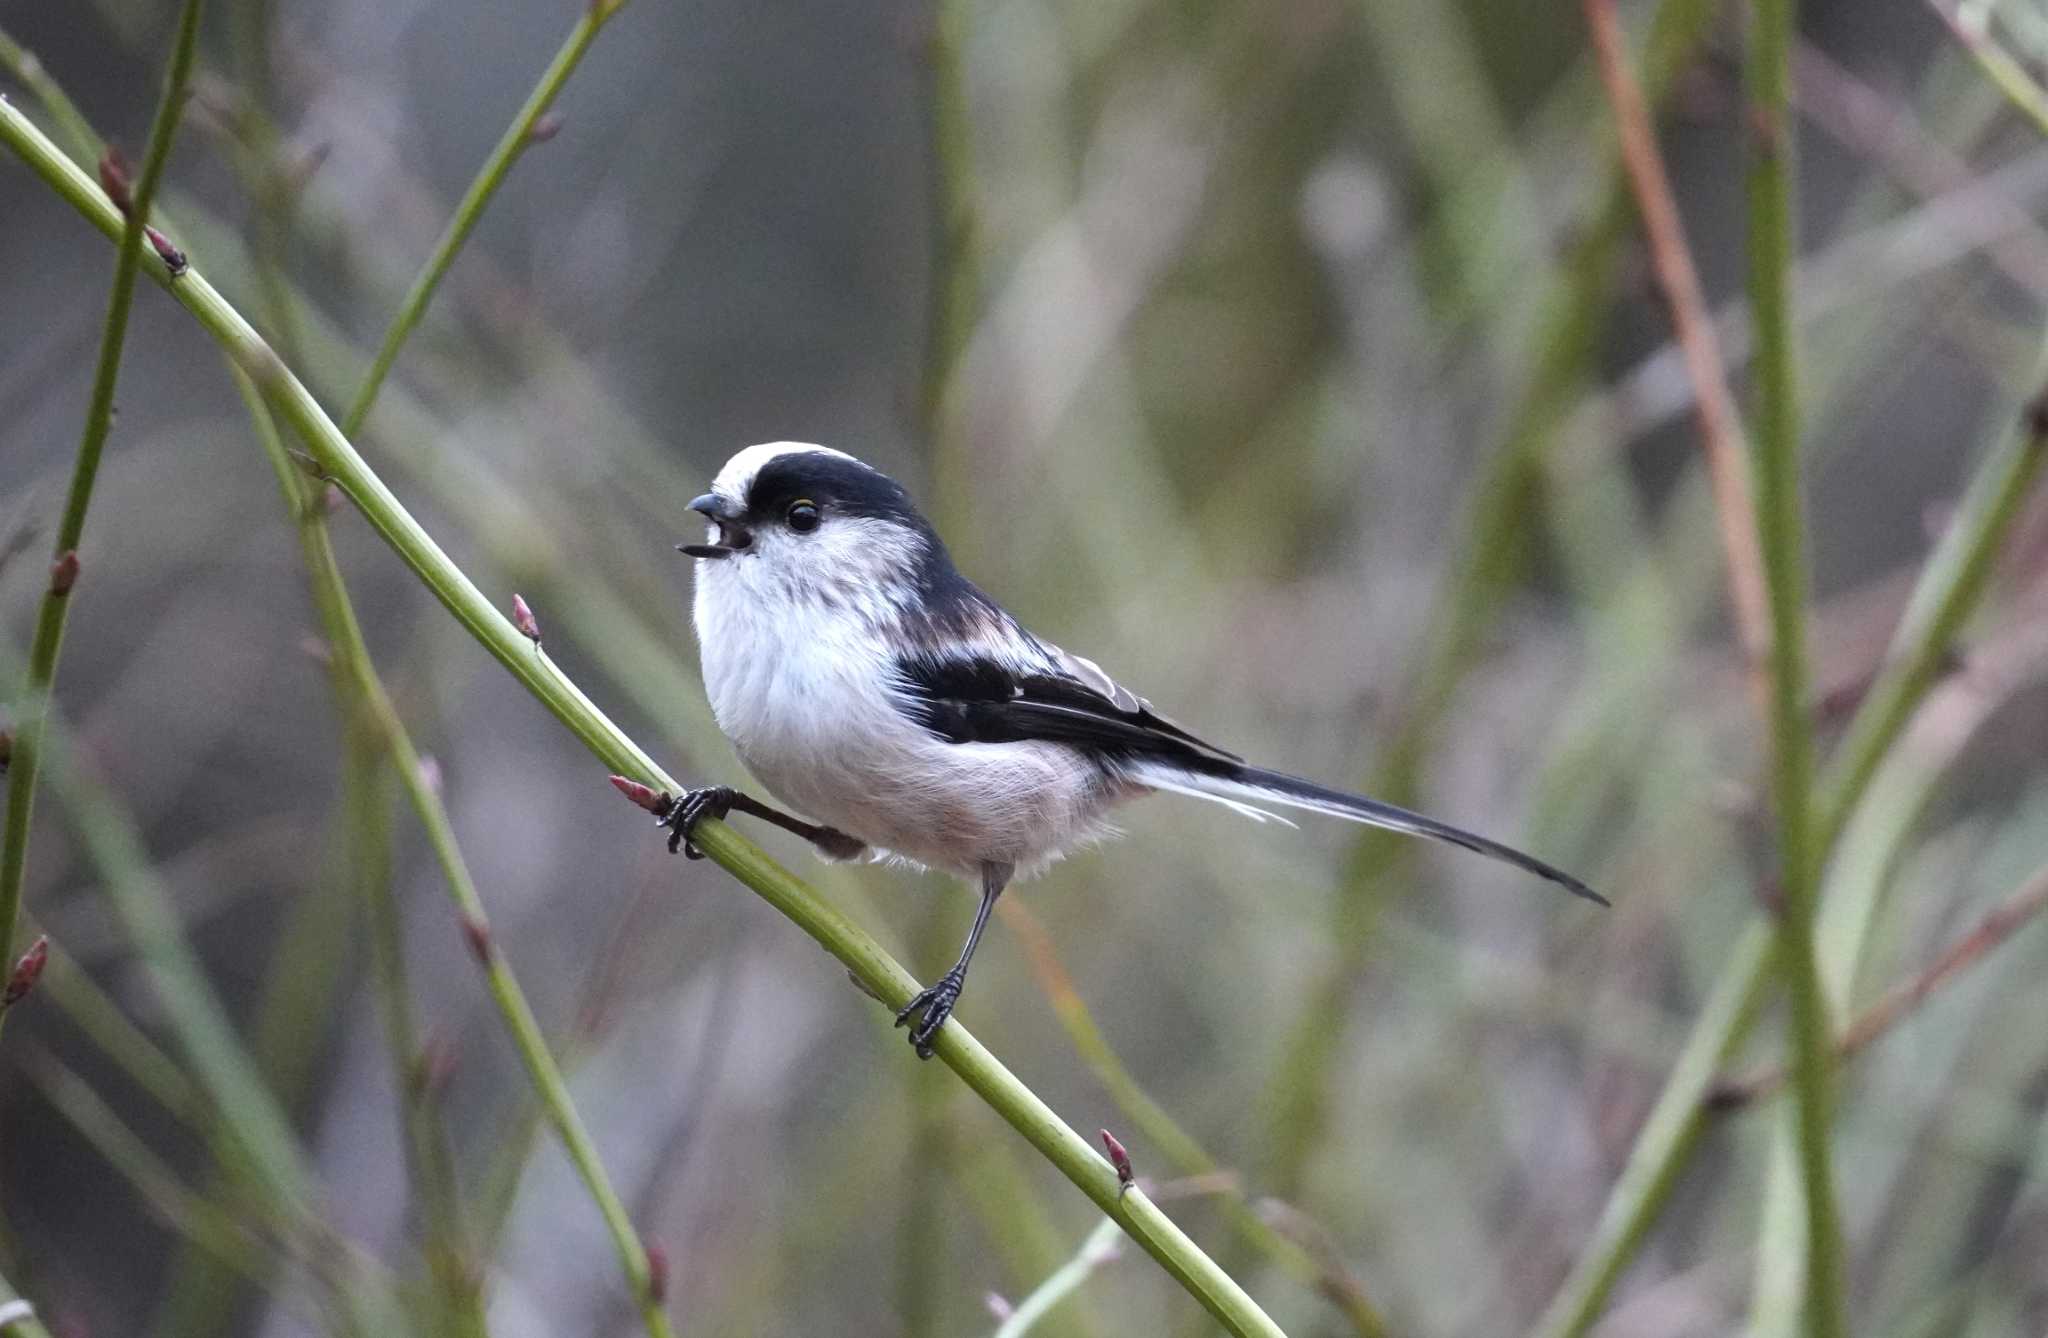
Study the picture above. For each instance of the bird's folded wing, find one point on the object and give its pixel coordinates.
(1065, 699)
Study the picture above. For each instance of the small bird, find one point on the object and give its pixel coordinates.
(868, 684)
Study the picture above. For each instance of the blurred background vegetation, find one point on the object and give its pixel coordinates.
(1300, 361)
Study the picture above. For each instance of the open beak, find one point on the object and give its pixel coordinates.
(733, 537)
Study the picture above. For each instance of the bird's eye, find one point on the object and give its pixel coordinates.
(802, 515)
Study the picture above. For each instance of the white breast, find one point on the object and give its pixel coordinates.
(802, 683)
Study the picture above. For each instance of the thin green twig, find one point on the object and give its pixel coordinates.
(429, 1160)
(72, 127)
(95, 1013)
(1781, 533)
(955, 272)
(1950, 587)
(1490, 530)
(2009, 76)
(1098, 1249)
(99, 416)
(352, 657)
(198, 1220)
(1154, 1123)
(873, 967)
(511, 144)
(257, 1139)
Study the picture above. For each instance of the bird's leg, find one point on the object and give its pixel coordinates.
(717, 801)
(935, 1003)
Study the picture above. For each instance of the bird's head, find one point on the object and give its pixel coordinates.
(809, 521)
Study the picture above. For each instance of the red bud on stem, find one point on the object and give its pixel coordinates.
(651, 800)
(523, 619)
(27, 972)
(64, 573)
(1118, 1158)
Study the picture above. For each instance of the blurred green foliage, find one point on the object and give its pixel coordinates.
(1299, 362)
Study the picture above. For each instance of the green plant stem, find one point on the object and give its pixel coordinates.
(1162, 1131)
(1781, 534)
(72, 126)
(1780, 524)
(257, 1139)
(1569, 324)
(511, 144)
(873, 967)
(99, 416)
(102, 1020)
(1951, 586)
(1666, 1143)
(366, 804)
(2006, 74)
(338, 1269)
(429, 1158)
(198, 1220)
(955, 274)
(295, 1008)
(352, 659)
(1949, 589)
(1098, 1249)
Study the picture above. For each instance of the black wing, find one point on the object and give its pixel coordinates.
(980, 699)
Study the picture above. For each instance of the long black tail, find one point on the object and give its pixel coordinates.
(1242, 787)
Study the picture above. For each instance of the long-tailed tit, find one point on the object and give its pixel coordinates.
(870, 685)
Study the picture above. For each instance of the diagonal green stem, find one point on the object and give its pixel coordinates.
(1569, 320)
(1157, 1126)
(1950, 587)
(99, 417)
(353, 663)
(879, 973)
(1097, 1250)
(367, 805)
(510, 145)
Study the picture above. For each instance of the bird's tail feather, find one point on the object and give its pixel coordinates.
(1242, 788)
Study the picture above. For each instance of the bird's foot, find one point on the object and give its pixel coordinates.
(935, 1003)
(683, 815)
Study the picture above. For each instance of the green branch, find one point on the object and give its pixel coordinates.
(99, 417)
(510, 145)
(363, 686)
(1950, 588)
(371, 727)
(1569, 320)
(871, 966)
(1781, 532)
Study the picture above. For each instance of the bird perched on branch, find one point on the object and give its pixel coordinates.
(872, 687)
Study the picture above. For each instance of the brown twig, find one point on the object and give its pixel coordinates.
(1693, 323)
(2000, 923)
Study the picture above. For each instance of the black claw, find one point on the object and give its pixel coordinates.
(713, 801)
(935, 1003)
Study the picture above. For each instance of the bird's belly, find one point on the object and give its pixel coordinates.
(811, 715)
(949, 806)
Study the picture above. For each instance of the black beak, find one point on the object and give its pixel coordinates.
(732, 536)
